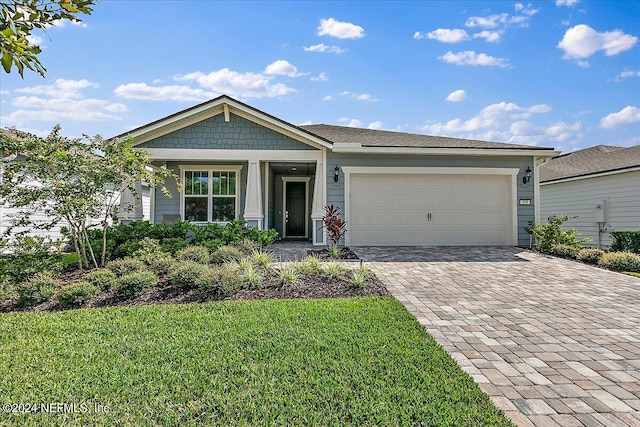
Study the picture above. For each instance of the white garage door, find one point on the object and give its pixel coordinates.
(424, 209)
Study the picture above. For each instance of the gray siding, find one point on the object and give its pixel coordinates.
(578, 198)
(165, 205)
(335, 191)
(237, 134)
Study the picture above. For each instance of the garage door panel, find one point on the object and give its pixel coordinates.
(392, 209)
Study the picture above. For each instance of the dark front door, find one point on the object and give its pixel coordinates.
(295, 208)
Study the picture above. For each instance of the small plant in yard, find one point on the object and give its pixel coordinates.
(136, 283)
(77, 294)
(565, 251)
(590, 256)
(626, 241)
(360, 275)
(309, 265)
(334, 251)
(226, 253)
(263, 259)
(161, 264)
(248, 273)
(288, 274)
(128, 265)
(198, 254)
(219, 281)
(148, 249)
(104, 279)
(38, 289)
(7, 290)
(333, 270)
(551, 234)
(336, 226)
(247, 246)
(621, 261)
(183, 275)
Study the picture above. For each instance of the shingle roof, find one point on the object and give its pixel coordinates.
(598, 159)
(383, 138)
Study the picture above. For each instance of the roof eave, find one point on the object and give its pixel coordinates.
(591, 175)
(357, 148)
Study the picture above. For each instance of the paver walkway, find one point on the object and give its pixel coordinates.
(551, 341)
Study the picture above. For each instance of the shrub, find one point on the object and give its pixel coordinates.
(198, 254)
(336, 226)
(334, 251)
(333, 270)
(7, 290)
(219, 281)
(104, 279)
(551, 234)
(225, 254)
(77, 294)
(161, 263)
(288, 274)
(263, 259)
(360, 275)
(309, 265)
(39, 288)
(19, 267)
(590, 256)
(134, 284)
(621, 261)
(248, 274)
(183, 275)
(148, 249)
(173, 244)
(125, 266)
(626, 241)
(565, 251)
(247, 246)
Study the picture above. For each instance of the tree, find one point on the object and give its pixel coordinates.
(73, 181)
(18, 18)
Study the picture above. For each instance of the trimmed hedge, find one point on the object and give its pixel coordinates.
(626, 241)
(590, 256)
(77, 294)
(621, 261)
(38, 289)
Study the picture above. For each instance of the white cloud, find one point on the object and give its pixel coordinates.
(583, 64)
(341, 30)
(625, 75)
(323, 48)
(527, 10)
(322, 77)
(163, 93)
(501, 21)
(627, 116)
(157, 81)
(352, 123)
(457, 96)
(282, 67)
(61, 88)
(375, 125)
(248, 85)
(507, 122)
(490, 36)
(469, 57)
(34, 40)
(567, 3)
(327, 98)
(444, 35)
(4, 92)
(359, 96)
(582, 41)
(308, 122)
(491, 21)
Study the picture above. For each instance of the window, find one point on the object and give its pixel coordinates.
(210, 194)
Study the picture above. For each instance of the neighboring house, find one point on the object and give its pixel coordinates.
(599, 188)
(392, 188)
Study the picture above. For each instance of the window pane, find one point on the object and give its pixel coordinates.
(216, 183)
(196, 182)
(195, 208)
(224, 209)
(232, 184)
(224, 183)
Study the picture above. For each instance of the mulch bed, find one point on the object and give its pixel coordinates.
(314, 286)
(323, 254)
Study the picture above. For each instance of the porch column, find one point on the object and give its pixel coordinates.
(253, 200)
(317, 205)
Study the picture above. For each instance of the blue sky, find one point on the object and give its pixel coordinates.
(563, 74)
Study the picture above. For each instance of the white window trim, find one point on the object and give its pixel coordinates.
(210, 169)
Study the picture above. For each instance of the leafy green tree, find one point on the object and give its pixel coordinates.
(549, 235)
(19, 18)
(73, 182)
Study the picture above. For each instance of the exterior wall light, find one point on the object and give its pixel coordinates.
(527, 175)
(336, 174)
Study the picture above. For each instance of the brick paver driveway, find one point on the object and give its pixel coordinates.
(552, 341)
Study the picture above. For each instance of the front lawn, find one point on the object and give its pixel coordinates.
(357, 361)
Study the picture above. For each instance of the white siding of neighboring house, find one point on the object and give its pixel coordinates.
(579, 197)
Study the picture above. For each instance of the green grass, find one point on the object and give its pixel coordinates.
(631, 273)
(358, 361)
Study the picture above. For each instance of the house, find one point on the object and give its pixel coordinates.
(393, 188)
(599, 188)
